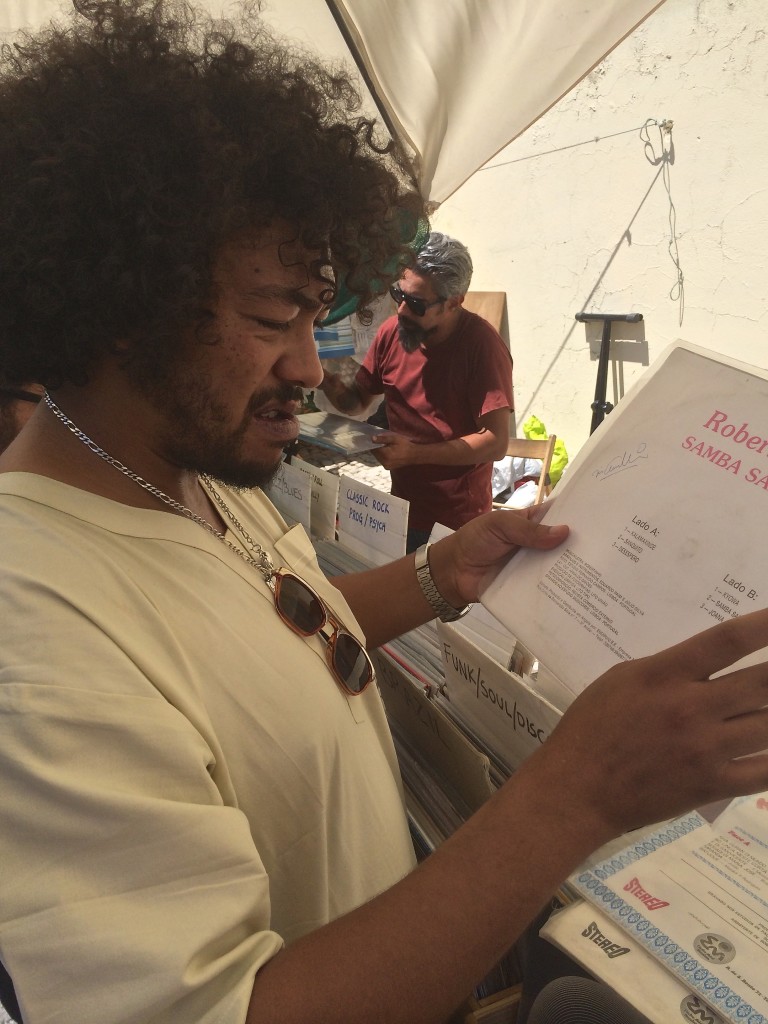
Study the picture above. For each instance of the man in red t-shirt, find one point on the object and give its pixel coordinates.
(446, 376)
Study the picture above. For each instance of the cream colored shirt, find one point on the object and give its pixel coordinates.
(183, 785)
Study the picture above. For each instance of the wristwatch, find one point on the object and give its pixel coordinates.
(444, 611)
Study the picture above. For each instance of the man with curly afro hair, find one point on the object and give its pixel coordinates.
(201, 816)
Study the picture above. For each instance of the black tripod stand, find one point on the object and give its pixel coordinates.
(600, 406)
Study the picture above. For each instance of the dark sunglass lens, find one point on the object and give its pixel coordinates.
(299, 605)
(417, 306)
(351, 663)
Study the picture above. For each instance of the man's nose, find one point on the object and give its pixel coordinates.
(300, 363)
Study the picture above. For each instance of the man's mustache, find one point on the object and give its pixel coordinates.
(283, 394)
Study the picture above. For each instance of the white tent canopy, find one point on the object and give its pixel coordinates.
(457, 80)
(454, 80)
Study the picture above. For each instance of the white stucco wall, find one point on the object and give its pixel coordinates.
(574, 215)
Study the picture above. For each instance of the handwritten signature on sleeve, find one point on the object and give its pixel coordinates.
(627, 460)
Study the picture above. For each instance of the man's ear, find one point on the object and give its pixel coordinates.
(454, 301)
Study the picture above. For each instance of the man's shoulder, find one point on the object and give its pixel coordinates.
(31, 495)
(473, 323)
(385, 346)
(387, 332)
(484, 337)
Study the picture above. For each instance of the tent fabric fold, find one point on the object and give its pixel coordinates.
(457, 80)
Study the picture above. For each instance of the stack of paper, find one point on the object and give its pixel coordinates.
(693, 896)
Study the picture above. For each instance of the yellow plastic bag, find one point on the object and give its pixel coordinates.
(534, 429)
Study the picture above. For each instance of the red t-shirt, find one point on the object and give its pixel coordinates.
(436, 395)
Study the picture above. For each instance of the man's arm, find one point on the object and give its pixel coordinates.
(350, 399)
(649, 740)
(487, 444)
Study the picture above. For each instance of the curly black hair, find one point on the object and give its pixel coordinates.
(140, 136)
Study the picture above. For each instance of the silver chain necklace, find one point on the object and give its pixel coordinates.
(262, 561)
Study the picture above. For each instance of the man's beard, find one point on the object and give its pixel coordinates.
(410, 334)
(201, 439)
(199, 435)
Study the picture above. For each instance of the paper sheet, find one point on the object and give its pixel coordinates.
(667, 504)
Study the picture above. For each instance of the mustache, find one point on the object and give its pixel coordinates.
(282, 395)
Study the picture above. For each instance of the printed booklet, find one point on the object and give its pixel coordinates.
(666, 503)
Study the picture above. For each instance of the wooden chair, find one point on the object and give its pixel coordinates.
(491, 306)
(527, 448)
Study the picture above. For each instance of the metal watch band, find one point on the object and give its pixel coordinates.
(444, 611)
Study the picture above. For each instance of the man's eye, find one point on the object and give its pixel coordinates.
(270, 325)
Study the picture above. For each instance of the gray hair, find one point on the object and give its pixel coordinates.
(448, 264)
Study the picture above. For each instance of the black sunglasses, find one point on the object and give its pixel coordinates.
(305, 612)
(20, 395)
(417, 306)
